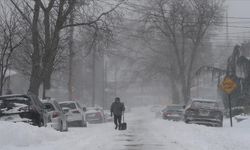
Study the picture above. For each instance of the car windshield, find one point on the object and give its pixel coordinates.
(203, 104)
(174, 107)
(68, 105)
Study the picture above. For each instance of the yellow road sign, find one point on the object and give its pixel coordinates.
(228, 85)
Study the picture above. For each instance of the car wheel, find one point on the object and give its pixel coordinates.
(40, 123)
(80, 123)
(61, 127)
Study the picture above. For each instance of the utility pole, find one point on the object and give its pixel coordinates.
(227, 29)
(115, 81)
(104, 100)
(93, 75)
(71, 56)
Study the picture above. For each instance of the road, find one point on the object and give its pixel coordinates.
(139, 135)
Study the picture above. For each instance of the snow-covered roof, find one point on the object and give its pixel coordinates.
(91, 111)
(67, 102)
(204, 100)
(47, 100)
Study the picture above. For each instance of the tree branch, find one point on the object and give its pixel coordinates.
(94, 21)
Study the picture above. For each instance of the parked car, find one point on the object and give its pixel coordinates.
(75, 114)
(173, 112)
(23, 108)
(95, 115)
(158, 110)
(203, 111)
(56, 118)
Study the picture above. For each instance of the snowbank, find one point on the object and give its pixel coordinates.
(23, 135)
(143, 129)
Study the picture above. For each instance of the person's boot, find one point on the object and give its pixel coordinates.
(115, 126)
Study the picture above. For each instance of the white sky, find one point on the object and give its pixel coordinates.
(241, 9)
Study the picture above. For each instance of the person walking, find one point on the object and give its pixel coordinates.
(117, 109)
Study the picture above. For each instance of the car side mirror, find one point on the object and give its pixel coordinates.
(84, 109)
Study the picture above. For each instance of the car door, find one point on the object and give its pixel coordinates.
(62, 116)
(80, 109)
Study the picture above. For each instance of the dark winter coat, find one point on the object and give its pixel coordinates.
(117, 108)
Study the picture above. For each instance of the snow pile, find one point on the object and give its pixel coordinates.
(198, 137)
(179, 135)
(22, 135)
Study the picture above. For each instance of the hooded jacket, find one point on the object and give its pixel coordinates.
(117, 108)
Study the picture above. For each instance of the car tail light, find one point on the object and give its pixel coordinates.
(55, 114)
(76, 112)
(167, 113)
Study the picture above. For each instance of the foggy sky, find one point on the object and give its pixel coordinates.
(241, 9)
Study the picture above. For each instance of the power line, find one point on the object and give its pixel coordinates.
(148, 7)
(137, 20)
(209, 35)
(232, 26)
(162, 41)
(216, 36)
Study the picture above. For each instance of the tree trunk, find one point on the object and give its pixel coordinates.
(93, 76)
(34, 84)
(44, 91)
(1, 80)
(1, 87)
(174, 92)
(35, 78)
(71, 56)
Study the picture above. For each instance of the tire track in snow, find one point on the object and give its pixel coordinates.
(138, 136)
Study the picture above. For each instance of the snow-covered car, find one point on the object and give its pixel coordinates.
(75, 114)
(173, 112)
(158, 110)
(56, 118)
(23, 108)
(204, 111)
(95, 115)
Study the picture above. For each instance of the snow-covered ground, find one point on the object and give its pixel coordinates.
(144, 133)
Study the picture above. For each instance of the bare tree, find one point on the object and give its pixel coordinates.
(184, 25)
(46, 21)
(10, 39)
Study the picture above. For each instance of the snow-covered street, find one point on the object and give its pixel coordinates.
(144, 132)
